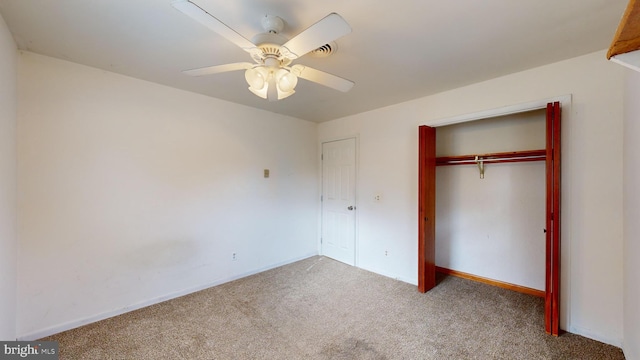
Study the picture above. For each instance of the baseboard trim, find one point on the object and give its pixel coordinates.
(378, 271)
(607, 339)
(500, 284)
(35, 335)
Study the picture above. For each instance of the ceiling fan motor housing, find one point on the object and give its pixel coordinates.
(269, 45)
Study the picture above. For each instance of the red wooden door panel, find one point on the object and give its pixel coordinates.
(552, 281)
(426, 208)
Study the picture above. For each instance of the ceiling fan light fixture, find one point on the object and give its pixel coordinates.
(282, 94)
(257, 77)
(259, 92)
(286, 81)
(271, 84)
(272, 90)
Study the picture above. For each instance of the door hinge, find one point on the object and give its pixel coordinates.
(321, 198)
(321, 156)
(320, 240)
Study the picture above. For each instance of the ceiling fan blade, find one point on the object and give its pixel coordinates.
(210, 70)
(330, 28)
(322, 78)
(200, 15)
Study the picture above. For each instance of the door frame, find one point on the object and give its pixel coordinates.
(557, 252)
(356, 137)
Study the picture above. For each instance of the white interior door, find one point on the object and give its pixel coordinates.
(339, 200)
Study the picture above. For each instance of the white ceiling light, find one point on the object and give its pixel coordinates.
(271, 83)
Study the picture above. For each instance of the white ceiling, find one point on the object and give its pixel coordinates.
(398, 51)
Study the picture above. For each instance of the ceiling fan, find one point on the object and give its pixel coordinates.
(271, 76)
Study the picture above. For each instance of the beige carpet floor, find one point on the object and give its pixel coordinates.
(321, 309)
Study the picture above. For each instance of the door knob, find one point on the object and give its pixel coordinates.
(351, 207)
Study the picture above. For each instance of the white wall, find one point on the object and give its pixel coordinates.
(631, 216)
(131, 192)
(8, 238)
(493, 227)
(591, 299)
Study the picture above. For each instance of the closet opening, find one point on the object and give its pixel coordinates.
(493, 185)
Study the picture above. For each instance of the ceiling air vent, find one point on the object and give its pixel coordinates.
(325, 50)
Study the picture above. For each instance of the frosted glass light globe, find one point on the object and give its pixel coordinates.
(256, 77)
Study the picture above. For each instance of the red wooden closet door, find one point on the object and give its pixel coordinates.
(552, 282)
(426, 209)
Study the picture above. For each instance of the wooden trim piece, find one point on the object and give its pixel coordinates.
(552, 271)
(556, 220)
(627, 37)
(500, 284)
(426, 208)
(548, 224)
(502, 157)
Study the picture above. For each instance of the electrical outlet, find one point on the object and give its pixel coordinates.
(234, 257)
(377, 198)
(386, 253)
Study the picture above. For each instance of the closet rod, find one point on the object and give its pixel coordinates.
(503, 157)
